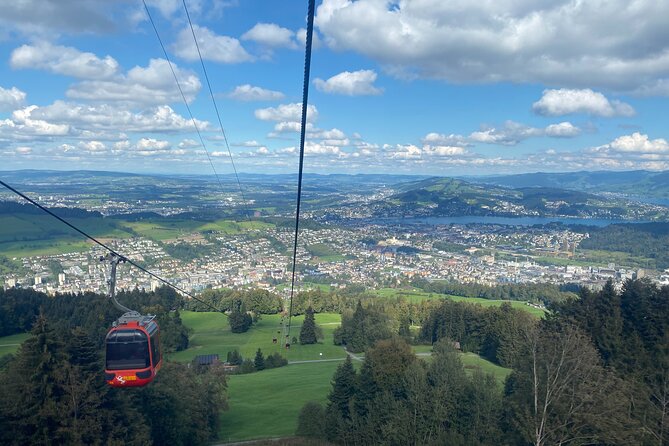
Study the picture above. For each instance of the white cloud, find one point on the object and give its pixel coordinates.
(120, 146)
(11, 99)
(248, 92)
(271, 35)
(638, 143)
(23, 150)
(63, 60)
(566, 101)
(512, 133)
(356, 83)
(445, 140)
(92, 146)
(150, 85)
(315, 148)
(444, 150)
(105, 117)
(563, 130)
(152, 144)
(402, 151)
(23, 125)
(188, 143)
(287, 112)
(327, 134)
(222, 49)
(571, 43)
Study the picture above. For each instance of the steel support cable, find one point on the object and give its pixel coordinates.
(183, 96)
(305, 98)
(213, 100)
(111, 250)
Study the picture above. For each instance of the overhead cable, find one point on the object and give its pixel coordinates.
(305, 98)
(111, 250)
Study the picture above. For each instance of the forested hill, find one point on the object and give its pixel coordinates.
(452, 197)
(635, 183)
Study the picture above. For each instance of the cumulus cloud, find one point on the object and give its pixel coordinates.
(92, 146)
(287, 113)
(271, 35)
(637, 143)
(402, 151)
(11, 99)
(149, 85)
(222, 49)
(23, 125)
(563, 130)
(356, 83)
(510, 134)
(444, 150)
(566, 101)
(445, 140)
(106, 117)
(569, 43)
(249, 93)
(63, 60)
(188, 143)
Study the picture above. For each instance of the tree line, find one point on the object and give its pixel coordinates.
(54, 390)
(594, 371)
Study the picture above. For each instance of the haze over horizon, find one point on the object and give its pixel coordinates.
(419, 88)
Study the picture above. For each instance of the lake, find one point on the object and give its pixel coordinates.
(511, 221)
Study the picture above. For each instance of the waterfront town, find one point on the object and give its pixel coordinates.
(372, 255)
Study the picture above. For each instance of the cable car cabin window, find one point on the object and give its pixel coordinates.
(155, 348)
(127, 349)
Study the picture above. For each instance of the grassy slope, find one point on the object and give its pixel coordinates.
(418, 296)
(212, 335)
(266, 404)
(10, 344)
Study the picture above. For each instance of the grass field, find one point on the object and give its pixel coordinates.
(266, 404)
(9, 344)
(168, 229)
(25, 235)
(212, 335)
(419, 296)
(472, 361)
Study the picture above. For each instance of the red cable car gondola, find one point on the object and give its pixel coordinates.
(133, 351)
(133, 355)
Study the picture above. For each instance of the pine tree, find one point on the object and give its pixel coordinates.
(308, 331)
(259, 361)
(32, 389)
(343, 388)
(234, 358)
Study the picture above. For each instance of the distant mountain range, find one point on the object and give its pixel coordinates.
(437, 197)
(637, 183)
(609, 195)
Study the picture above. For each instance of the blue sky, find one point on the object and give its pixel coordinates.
(414, 87)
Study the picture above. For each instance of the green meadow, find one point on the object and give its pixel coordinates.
(212, 335)
(416, 296)
(10, 344)
(266, 404)
(167, 229)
